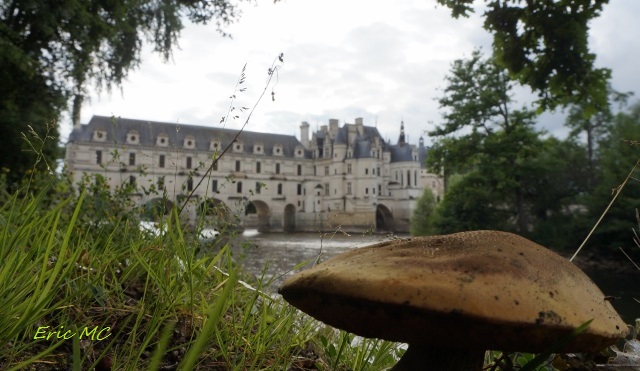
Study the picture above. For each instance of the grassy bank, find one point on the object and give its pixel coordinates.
(79, 294)
(84, 288)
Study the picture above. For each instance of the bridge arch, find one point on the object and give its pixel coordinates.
(384, 219)
(257, 215)
(215, 213)
(289, 224)
(156, 208)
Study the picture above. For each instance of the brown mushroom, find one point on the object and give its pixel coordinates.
(453, 297)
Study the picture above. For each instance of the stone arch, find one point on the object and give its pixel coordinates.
(384, 218)
(257, 215)
(289, 218)
(215, 213)
(156, 208)
(250, 209)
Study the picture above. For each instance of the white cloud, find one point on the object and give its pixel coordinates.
(380, 60)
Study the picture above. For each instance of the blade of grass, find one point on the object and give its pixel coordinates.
(214, 316)
(161, 347)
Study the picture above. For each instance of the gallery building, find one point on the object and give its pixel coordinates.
(338, 176)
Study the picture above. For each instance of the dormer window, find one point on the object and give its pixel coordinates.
(162, 140)
(277, 150)
(214, 145)
(238, 146)
(299, 152)
(99, 135)
(189, 142)
(258, 148)
(133, 137)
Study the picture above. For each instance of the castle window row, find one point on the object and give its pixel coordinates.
(189, 142)
(188, 163)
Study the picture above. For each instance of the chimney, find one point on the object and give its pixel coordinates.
(351, 134)
(304, 134)
(75, 110)
(333, 127)
(359, 126)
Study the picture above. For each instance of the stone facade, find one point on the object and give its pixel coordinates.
(340, 176)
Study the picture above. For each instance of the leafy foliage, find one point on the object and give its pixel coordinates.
(469, 204)
(556, 184)
(422, 213)
(482, 134)
(510, 177)
(544, 44)
(594, 127)
(618, 153)
(50, 50)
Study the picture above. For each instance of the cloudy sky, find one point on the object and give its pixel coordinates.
(381, 60)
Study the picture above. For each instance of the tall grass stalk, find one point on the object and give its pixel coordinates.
(618, 190)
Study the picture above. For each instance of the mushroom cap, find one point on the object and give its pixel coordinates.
(472, 290)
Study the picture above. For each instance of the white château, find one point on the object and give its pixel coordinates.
(339, 176)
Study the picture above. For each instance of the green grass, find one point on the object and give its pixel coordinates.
(154, 302)
(63, 270)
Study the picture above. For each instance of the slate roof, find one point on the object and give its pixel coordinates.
(362, 144)
(118, 128)
(401, 153)
(422, 154)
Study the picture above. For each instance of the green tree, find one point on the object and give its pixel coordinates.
(556, 183)
(594, 127)
(50, 50)
(482, 134)
(420, 220)
(544, 44)
(618, 153)
(470, 203)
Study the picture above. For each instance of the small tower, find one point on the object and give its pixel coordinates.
(401, 140)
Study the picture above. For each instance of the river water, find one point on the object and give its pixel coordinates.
(281, 252)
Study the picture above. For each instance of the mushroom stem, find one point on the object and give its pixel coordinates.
(423, 357)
